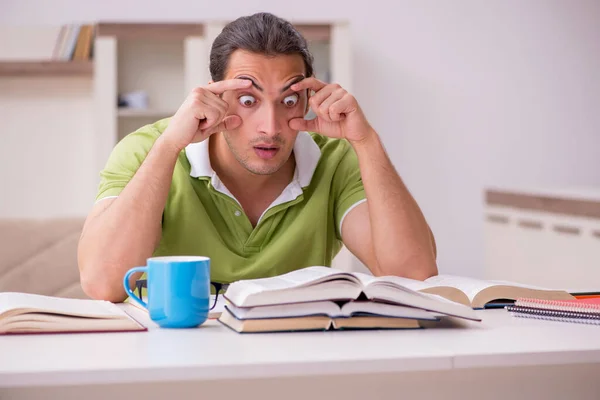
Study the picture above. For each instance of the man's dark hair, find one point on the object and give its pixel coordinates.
(260, 33)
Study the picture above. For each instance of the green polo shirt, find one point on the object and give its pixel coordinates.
(201, 217)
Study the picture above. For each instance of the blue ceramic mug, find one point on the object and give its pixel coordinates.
(178, 290)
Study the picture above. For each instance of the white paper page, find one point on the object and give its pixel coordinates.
(291, 279)
(365, 279)
(408, 283)
(286, 310)
(302, 278)
(390, 310)
(59, 305)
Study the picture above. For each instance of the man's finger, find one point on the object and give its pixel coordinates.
(229, 84)
(301, 124)
(229, 123)
(318, 98)
(308, 83)
(322, 109)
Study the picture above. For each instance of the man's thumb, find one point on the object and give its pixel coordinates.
(301, 124)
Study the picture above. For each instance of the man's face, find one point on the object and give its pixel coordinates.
(264, 141)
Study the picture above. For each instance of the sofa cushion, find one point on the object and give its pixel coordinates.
(40, 256)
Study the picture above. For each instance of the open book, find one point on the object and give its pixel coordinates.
(296, 293)
(323, 315)
(324, 283)
(32, 313)
(315, 322)
(478, 293)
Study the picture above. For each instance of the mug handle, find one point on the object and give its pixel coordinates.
(129, 291)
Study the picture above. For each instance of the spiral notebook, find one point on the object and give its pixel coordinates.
(583, 311)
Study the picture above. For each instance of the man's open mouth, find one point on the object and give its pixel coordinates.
(266, 152)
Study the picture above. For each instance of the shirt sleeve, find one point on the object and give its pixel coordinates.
(348, 187)
(124, 161)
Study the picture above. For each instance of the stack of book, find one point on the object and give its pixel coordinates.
(75, 42)
(322, 298)
(583, 311)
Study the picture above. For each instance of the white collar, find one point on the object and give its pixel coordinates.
(306, 152)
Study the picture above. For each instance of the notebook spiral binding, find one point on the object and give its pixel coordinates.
(578, 316)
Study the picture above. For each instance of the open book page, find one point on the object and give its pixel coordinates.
(470, 286)
(473, 286)
(301, 277)
(45, 322)
(12, 301)
(357, 308)
(413, 285)
(286, 310)
(295, 286)
(331, 309)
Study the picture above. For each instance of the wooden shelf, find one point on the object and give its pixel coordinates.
(143, 113)
(315, 32)
(312, 32)
(149, 30)
(46, 68)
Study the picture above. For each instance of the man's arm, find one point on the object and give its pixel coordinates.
(123, 232)
(388, 232)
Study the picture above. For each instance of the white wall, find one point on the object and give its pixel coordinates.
(45, 152)
(464, 93)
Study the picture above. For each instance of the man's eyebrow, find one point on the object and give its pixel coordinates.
(295, 80)
(256, 85)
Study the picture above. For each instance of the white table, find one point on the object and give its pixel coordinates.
(456, 360)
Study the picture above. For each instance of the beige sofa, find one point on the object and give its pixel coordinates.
(40, 256)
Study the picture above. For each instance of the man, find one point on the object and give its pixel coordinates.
(236, 176)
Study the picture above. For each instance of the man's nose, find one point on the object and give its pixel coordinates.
(270, 124)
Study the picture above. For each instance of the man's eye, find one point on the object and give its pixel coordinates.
(247, 100)
(291, 100)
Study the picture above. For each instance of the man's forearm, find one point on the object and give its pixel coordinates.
(126, 233)
(402, 242)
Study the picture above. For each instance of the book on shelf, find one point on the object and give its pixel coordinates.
(33, 313)
(327, 298)
(75, 42)
(584, 311)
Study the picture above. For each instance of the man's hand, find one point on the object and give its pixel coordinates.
(203, 113)
(338, 112)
